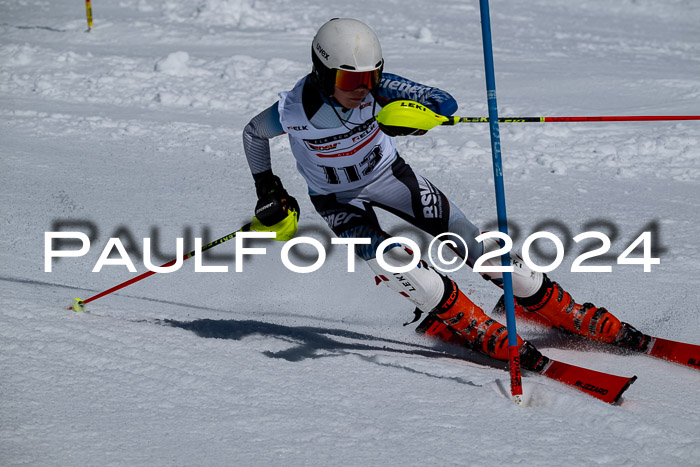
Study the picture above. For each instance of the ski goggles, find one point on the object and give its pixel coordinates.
(346, 80)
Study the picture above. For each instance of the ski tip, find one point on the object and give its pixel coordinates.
(624, 388)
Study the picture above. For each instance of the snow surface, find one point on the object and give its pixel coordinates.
(135, 129)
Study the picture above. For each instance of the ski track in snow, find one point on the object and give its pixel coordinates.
(136, 127)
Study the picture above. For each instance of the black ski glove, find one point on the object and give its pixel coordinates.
(274, 203)
(401, 130)
(397, 130)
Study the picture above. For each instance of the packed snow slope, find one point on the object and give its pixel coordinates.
(134, 131)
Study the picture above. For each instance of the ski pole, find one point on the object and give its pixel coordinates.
(612, 118)
(79, 305)
(88, 13)
(410, 114)
(516, 386)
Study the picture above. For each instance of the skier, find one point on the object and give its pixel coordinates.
(351, 166)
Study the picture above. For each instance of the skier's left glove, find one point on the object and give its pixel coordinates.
(276, 211)
(401, 130)
(393, 130)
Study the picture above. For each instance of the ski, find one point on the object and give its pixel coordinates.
(604, 386)
(673, 351)
(664, 349)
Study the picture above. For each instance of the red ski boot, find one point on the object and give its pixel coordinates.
(432, 326)
(468, 320)
(556, 305)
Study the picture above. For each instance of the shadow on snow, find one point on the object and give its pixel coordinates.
(316, 342)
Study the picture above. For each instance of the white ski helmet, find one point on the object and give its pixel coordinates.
(350, 47)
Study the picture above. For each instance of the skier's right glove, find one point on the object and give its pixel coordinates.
(276, 211)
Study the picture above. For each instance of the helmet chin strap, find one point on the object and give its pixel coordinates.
(334, 100)
(342, 120)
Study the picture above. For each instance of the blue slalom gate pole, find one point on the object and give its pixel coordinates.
(513, 354)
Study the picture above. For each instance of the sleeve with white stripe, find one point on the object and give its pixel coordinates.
(256, 138)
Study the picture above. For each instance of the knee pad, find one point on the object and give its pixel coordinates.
(526, 282)
(422, 285)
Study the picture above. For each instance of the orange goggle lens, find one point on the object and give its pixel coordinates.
(351, 80)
